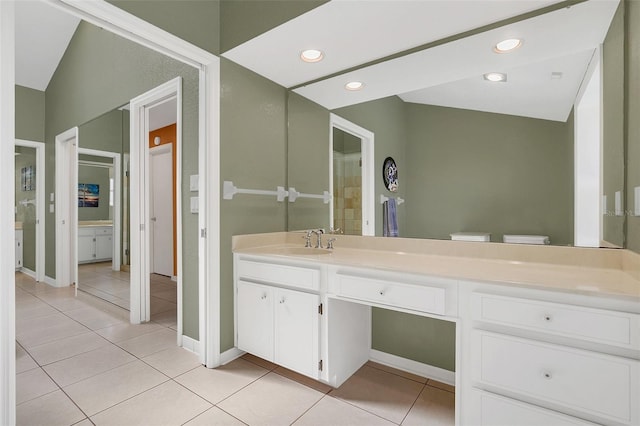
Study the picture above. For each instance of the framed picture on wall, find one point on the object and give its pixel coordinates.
(88, 194)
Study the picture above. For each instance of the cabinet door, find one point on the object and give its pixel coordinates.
(254, 310)
(18, 249)
(86, 248)
(104, 247)
(296, 335)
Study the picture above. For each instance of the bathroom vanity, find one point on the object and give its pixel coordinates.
(544, 335)
(95, 241)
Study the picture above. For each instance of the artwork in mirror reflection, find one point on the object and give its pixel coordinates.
(347, 182)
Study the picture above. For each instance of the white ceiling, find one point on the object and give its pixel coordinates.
(43, 33)
(163, 114)
(353, 32)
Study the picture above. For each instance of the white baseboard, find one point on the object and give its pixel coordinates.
(415, 367)
(191, 344)
(229, 355)
(28, 272)
(50, 281)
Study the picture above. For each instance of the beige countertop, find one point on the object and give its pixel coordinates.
(604, 272)
(90, 223)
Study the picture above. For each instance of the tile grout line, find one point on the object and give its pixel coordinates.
(414, 403)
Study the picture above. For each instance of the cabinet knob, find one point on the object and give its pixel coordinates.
(548, 317)
(282, 300)
(547, 375)
(264, 296)
(381, 292)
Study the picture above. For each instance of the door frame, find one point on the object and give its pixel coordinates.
(40, 205)
(368, 166)
(140, 305)
(117, 202)
(117, 21)
(157, 150)
(66, 173)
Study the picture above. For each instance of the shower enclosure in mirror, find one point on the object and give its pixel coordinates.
(351, 178)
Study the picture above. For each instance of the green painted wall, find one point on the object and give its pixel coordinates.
(632, 116)
(26, 214)
(103, 133)
(196, 21)
(613, 127)
(242, 20)
(99, 72)
(476, 171)
(29, 114)
(253, 150)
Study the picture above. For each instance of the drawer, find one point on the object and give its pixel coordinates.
(494, 410)
(410, 296)
(292, 276)
(616, 328)
(108, 230)
(86, 232)
(589, 382)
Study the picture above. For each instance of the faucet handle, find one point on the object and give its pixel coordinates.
(335, 231)
(330, 243)
(307, 238)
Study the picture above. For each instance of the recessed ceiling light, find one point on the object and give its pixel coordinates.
(496, 77)
(507, 45)
(312, 55)
(354, 85)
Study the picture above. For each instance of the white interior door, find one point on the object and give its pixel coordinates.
(161, 200)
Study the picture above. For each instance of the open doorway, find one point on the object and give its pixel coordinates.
(30, 208)
(99, 222)
(163, 265)
(156, 273)
(351, 177)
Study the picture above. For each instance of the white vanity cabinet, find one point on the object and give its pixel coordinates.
(277, 313)
(19, 251)
(559, 363)
(95, 244)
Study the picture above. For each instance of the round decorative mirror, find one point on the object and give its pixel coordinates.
(390, 174)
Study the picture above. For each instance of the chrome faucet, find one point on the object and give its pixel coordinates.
(319, 233)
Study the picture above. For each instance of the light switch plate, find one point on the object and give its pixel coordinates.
(52, 197)
(193, 182)
(51, 208)
(636, 192)
(195, 201)
(618, 203)
(604, 205)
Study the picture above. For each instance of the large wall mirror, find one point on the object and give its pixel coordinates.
(479, 155)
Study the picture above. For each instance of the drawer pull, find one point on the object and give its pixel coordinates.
(381, 292)
(264, 296)
(282, 300)
(547, 375)
(548, 318)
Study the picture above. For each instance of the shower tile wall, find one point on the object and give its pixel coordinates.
(348, 193)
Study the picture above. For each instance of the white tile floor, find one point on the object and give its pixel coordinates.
(80, 363)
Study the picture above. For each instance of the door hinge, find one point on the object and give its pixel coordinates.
(320, 365)
(320, 309)
(126, 173)
(203, 233)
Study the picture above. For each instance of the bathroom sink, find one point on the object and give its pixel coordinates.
(302, 251)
